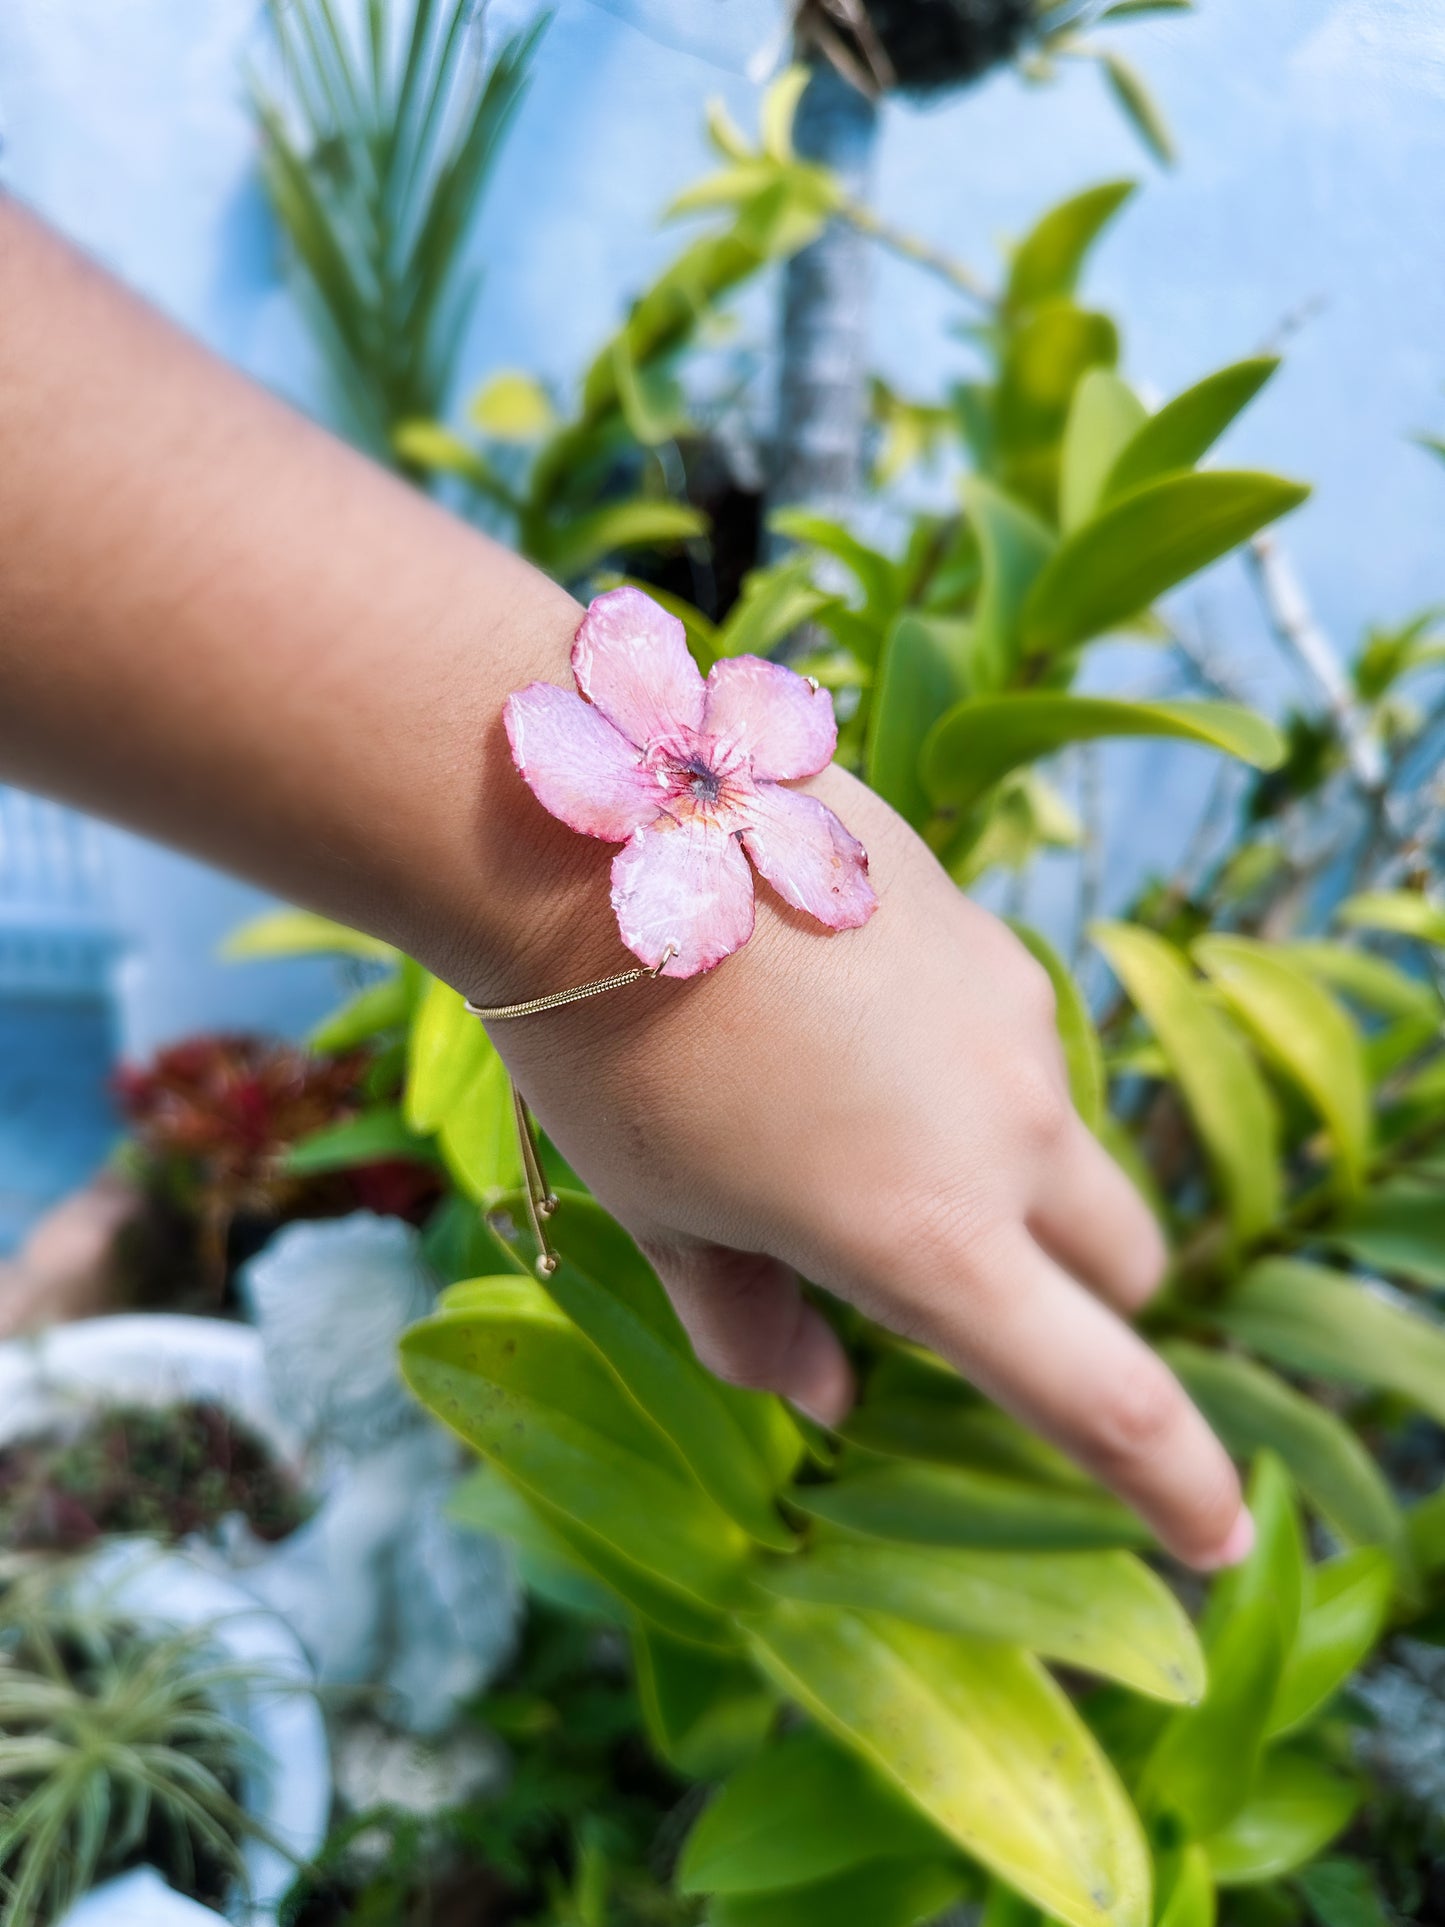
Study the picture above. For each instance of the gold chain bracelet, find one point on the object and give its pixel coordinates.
(541, 1202)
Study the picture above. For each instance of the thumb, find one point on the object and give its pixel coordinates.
(750, 1324)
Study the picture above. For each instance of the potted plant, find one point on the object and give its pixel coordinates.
(151, 1715)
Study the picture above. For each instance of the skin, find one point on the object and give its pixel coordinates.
(221, 627)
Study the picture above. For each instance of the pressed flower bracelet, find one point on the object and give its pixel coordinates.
(688, 776)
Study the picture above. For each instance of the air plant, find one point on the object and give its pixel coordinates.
(114, 1750)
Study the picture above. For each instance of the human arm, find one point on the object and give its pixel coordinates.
(223, 628)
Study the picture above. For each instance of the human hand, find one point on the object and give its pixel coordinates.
(883, 1111)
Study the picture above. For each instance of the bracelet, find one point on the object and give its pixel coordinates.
(542, 1202)
(691, 778)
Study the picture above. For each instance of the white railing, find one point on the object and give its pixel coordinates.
(57, 934)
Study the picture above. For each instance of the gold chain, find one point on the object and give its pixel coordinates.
(541, 1202)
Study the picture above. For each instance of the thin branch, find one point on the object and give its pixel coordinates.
(960, 277)
(1293, 625)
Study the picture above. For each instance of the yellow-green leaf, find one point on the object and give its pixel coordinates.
(940, 1505)
(1104, 416)
(1226, 1095)
(1298, 1025)
(1187, 427)
(512, 406)
(1143, 544)
(1315, 1320)
(982, 1741)
(1346, 1604)
(979, 741)
(1103, 1612)
(502, 1367)
(1296, 1809)
(1082, 1053)
(803, 1810)
(301, 933)
(1251, 1409)
(1405, 913)
(1047, 262)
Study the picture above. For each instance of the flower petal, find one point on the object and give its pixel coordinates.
(785, 725)
(577, 765)
(686, 884)
(630, 659)
(808, 857)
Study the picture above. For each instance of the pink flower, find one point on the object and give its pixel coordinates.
(687, 775)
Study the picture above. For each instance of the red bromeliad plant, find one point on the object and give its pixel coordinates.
(217, 1121)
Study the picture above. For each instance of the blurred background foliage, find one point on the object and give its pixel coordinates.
(925, 1661)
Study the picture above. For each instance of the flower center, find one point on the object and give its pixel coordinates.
(703, 783)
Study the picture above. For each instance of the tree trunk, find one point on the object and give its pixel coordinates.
(823, 379)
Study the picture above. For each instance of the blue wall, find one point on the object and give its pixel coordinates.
(1313, 143)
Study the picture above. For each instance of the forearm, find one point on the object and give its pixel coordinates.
(223, 628)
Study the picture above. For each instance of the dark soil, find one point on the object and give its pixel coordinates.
(166, 1472)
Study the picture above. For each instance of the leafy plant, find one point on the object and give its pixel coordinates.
(926, 1658)
(114, 1750)
(375, 156)
(164, 1472)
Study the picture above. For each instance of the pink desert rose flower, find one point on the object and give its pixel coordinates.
(687, 775)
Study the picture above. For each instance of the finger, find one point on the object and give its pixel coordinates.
(1061, 1362)
(750, 1323)
(1092, 1220)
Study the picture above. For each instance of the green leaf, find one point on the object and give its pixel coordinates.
(447, 1049)
(1314, 1320)
(429, 446)
(1083, 1055)
(1205, 1761)
(705, 1712)
(1300, 1027)
(876, 574)
(780, 105)
(377, 1008)
(1342, 1893)
(1014, 547)
(917, 681)
(883, 1893)
(547, 1565)
(502, 1368)
(1372, 982)
(1226, 1096)
(300, 933)
(740, 1446)
(980, 740)
(983, 1741)
(1103, 1612)
(803, 1810)
(1047, 262)
(1143, 544)
(774, 603)
(478, 1134)
(1192, 1898)
(1186, 428)
(1119, 9)
(1345, 1608)
(916, 1407)
(378, 1134)
(1043, 362)
(512, 406)
(1275, 1568)
(617, 526)
(936, 1505)
(1296, 1809)
(1251, 1409)
(1105, 415)
(1403, 912)
(1139, 108)
(1397, 1228)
